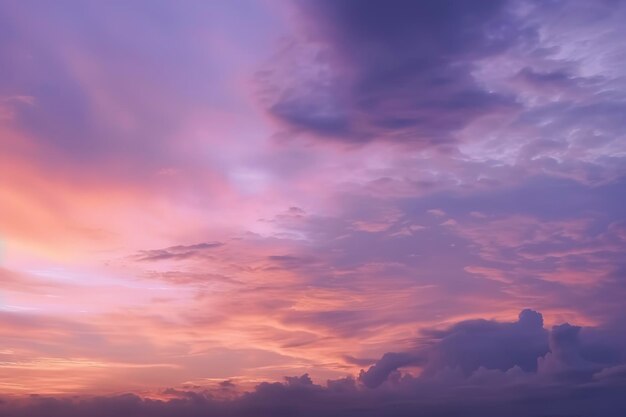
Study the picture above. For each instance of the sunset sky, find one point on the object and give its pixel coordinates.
(312, 207)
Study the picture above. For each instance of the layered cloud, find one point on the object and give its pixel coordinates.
(481, 367)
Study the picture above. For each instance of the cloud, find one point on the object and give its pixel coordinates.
(488, 344)
(399, 70)
(570, 358)
(521, 190)
(477, 347)
(491, 387)
(177, 252)
(471, 345)
(379, 372)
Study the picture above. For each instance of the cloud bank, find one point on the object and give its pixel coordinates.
(477, 367)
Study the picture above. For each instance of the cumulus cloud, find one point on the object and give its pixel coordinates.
(478, 367)
(492, 345)
(389, 363)
(469, 346)
(524, 347)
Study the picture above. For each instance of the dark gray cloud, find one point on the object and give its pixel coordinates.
(394, 70)
(488, 344)
(473, 348)
(390, 362)
(426, 72)
(471, 345)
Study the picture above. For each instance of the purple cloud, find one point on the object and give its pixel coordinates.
(565, 383)
(397, 71)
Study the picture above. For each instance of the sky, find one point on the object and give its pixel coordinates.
(304, 207)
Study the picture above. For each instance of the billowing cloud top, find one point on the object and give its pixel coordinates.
(312, 207)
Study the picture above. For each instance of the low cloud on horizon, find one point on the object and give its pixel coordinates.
(478, 367)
